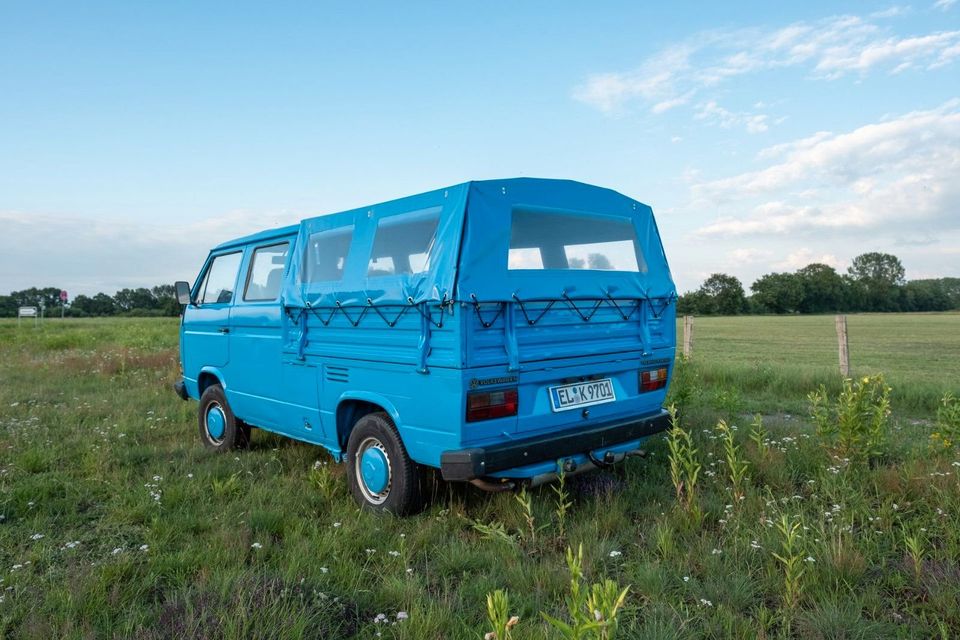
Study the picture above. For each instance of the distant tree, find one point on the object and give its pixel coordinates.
(46, 297)
(130, 299)
(8, 306)
(880, 275)
(599, 261)
(823, 289)
(166, 299)
(725, 294)
(778, 292)
(103, 305)
(695, 303)
(952, 287)
(925, 295)
(82, 305)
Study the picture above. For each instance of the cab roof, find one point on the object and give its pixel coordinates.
(260, 236)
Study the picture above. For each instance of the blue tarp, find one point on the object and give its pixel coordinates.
(471, 225)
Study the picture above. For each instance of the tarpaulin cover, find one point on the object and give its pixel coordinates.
(340, 261)
(484, 273)
(360, 283)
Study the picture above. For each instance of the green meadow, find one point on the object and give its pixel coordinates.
(116, 523)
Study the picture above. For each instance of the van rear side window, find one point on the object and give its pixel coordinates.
(221, 277)
(559, 240)
(266, 273)
(326, 254)
(403, 243)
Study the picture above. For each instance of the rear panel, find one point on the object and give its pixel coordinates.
(566, 295)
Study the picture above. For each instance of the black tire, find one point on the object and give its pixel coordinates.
(403, 494)
(235, 433)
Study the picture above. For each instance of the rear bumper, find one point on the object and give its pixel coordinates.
(477, 462)
(181, 389)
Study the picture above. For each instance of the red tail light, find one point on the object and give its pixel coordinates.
(486, 405)
(653, 379)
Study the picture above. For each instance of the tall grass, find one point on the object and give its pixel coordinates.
(115, 522)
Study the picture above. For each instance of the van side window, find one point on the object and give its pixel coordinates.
(221, 277)
(266, 272)
(560, 240)
(326, 254)
(403, 243)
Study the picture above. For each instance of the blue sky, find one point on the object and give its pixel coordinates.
(135, 135)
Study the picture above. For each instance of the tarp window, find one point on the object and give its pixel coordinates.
(403, 243)
(551, 239)
(326, 254)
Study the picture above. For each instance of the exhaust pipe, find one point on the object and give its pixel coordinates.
(493, 487)
(570, 468)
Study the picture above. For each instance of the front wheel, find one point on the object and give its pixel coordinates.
(219, 428)
(382, 476)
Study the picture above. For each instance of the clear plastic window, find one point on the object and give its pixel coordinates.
(559, 240)
(403, 243)
(326, 254)
(266, 272)
(220, 279)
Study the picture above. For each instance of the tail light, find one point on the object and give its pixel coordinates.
(653, 379)
(486, 405)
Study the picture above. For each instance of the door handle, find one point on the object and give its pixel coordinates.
(224, 329)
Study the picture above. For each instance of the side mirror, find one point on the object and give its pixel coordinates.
(183, 292)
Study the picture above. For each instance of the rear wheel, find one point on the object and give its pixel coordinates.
(219, 428)
(382, 476)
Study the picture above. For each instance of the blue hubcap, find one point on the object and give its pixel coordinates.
(375, 470)
(216, 422)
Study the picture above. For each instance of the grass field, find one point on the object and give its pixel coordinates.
(778, 358)
(116, 523)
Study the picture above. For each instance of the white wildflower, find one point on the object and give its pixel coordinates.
(615, 554)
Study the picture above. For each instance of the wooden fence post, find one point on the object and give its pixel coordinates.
(844, 346)
(687, 336)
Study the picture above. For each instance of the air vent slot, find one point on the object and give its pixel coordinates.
(337, 374)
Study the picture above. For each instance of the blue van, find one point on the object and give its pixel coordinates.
(500, 331)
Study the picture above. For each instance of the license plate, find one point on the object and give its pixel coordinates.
(581, 394)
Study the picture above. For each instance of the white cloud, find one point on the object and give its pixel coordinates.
(713, 113)
(890, 177)
(944, 5)
(894, 11)
(829, 48)
(88, 256)
(804, 256)
(749, 255)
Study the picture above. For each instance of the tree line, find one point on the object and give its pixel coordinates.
(874, 282)
(155, 301)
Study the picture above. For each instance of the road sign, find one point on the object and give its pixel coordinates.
(28, 312)
(63, 296)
